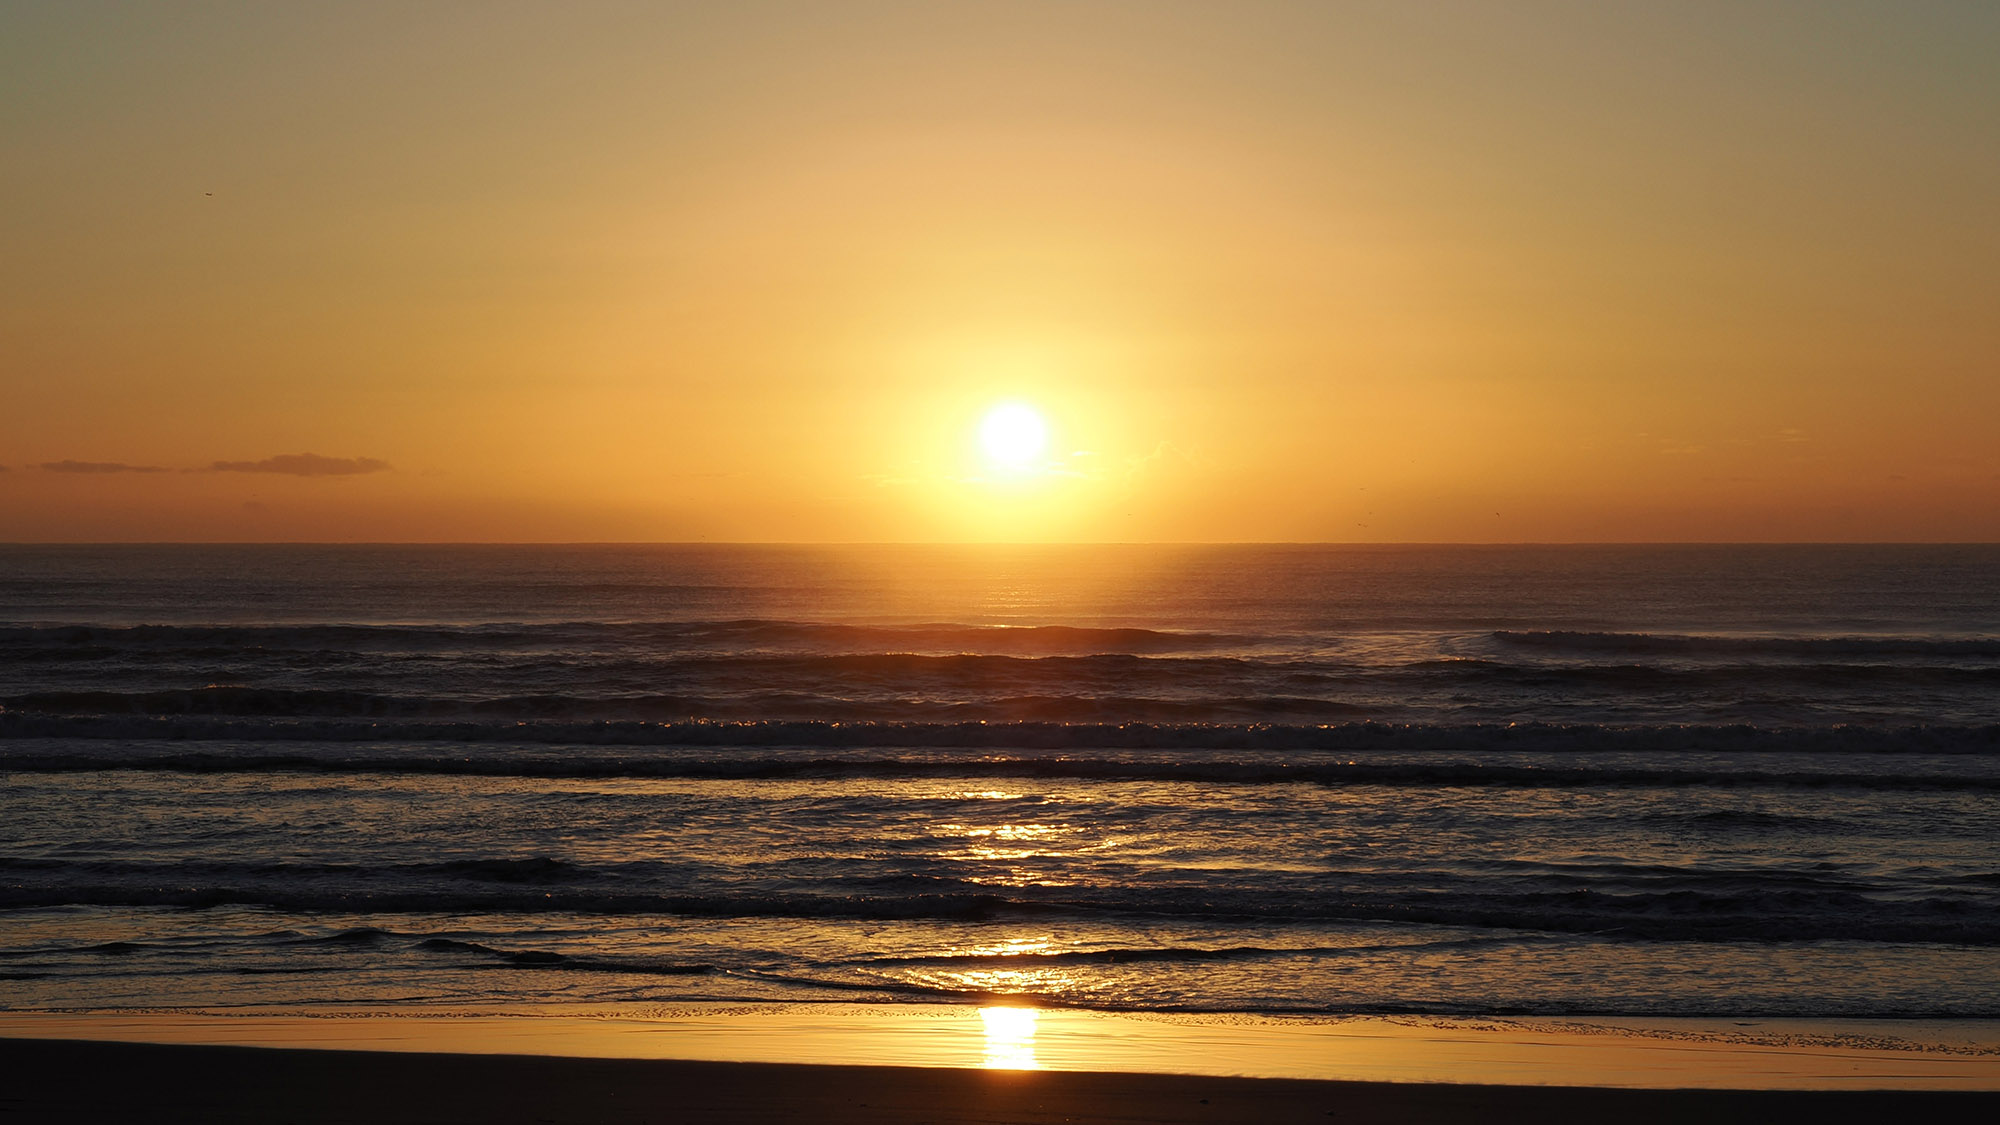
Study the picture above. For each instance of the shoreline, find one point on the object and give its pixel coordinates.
(71, 1081)
(1656, 1054)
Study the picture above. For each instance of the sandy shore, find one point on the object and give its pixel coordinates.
(935, 1063)
(104, 1082)
(1650, 1054)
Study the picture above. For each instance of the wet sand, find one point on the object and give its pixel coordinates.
(71, 1081)
(1645, 1054)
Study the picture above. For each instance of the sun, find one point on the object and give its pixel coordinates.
(1013, 436)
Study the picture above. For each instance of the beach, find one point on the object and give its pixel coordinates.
(912, 1063)
(541, 1069)
(1069, 831)
(115, 1082)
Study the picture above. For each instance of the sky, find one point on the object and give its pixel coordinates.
(758, 271)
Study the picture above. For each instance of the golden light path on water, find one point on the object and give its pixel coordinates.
(1010, 853)
(1010, 1038)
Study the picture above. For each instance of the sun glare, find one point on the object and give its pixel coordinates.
(1010, 1038)
(1013, 436)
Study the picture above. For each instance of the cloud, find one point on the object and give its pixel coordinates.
(1165, 457)
(97, 467)
(305, 465)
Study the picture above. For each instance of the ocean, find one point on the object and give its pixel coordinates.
(1609, 781)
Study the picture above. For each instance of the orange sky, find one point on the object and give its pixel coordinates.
(1445, 272)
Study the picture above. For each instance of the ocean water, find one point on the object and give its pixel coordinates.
(1636, 781)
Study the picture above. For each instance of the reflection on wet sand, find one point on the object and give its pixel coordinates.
(1715, 1054)
(1010, 1038)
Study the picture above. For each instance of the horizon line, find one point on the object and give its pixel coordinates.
(1000, 543)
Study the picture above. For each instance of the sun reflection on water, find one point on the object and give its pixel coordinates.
(1012, 854)
(1010, 1038)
